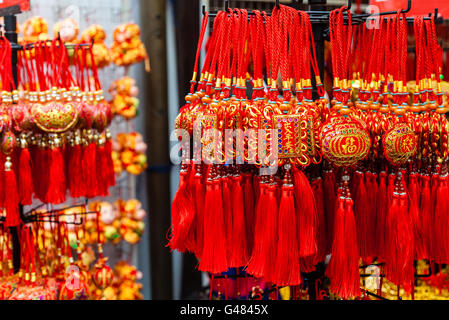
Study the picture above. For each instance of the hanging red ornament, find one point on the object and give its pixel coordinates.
(102, 275)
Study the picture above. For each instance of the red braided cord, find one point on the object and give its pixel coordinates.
(267, 43)
(198, 50)
(235, 43)
(212, 42)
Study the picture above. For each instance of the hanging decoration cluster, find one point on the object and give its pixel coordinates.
(56, 147)
(362, 177)
(55, 137)
(230, 215)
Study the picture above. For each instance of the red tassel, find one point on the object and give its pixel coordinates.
(66, 153)
(102, 175)
(441, 222)
(249, 201)
(239, 247)
(390, 191)
(36, 154)
(413, 191)
(255, 265)
(306, 215)
(361, 208)
(425, 209)
(183, 211)
(389, 236)
(227, 210)
(192, 239)
(256, 182)
(41, 159)
(287, 272)
(413, 194)
(89, 169)
(261, 263)
(25, 178)
(343, 268)
(44, 174)
(404, 180)
(102, 187)
(317, 187)
(434, 183)
(330, 190)
(390, 188)
(399, 265)
(371, 189)
(75, 173)
(109, 169)
(355, 183)
(214, 255)
(56, 184)
(199, 192)
(2, 179)
(11, 201)
(381, 212)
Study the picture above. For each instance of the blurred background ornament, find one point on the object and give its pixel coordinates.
(127, 48)
(96, 34)
(35, 29)
(124, 94)
(67, 29)
(129, 153)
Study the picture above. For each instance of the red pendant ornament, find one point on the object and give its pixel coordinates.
(344, 141)
(399, 144)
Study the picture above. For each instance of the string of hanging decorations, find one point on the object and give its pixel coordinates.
(278, 181)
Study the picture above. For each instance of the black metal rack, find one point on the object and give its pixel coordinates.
(28, 46)
(10, 21)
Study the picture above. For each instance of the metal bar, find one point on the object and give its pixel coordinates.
(45, 215)
(409, 19)
(32, 45)
(321, 17)
(356, 19)
(57, 221)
